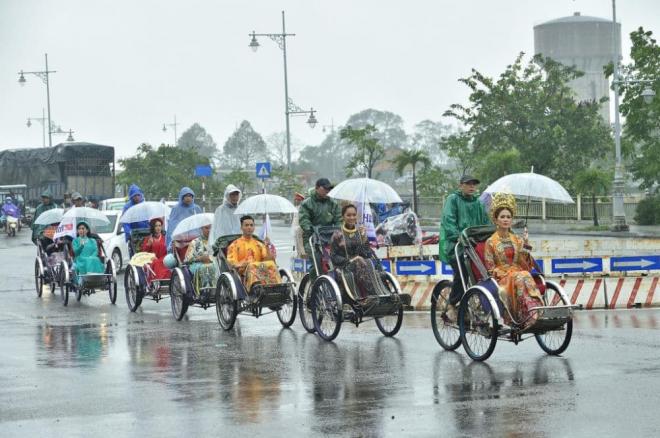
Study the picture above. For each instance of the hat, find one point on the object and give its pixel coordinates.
(76, 195)
(469, 178)
(67, 194)
(324, 182)
(298, 196)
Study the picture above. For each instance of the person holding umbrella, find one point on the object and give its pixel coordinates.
(462, 210)
(318, 210)
(135, 196)
(45, 205)
(184, 209)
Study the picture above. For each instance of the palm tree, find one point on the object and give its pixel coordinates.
(412, 158)
(593, 182)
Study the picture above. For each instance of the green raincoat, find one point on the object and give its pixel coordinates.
(459, 212)
(315, 211)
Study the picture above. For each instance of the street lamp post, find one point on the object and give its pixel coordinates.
(43, 75)
(618, 211)
(289, 107)
(173, 126)
(331, 127)
(43, 121)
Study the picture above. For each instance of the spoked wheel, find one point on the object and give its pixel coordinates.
(64, 282)
(178, 294)
(555, 342)
(226, 307)
(445, 330)
(287, 313)
(112, 280)
(132, 288)
(304, 304)
(39, 276)
(326, 307)
(477, 325)
(391, 324)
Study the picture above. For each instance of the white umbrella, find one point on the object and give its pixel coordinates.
(531, 186)
(52, 216)
(72, 217)
(92, 216)
(188, 229)
(365, 190)
(145, 211)
(265, 203)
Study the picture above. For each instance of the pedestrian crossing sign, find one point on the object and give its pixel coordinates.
(263, 170)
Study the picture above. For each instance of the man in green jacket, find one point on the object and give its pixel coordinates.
(318, 210)
(46, 204)
(462, 210)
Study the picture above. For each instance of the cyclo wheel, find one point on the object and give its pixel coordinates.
(178, 294)
(132, 288)
(326, 307)
(39, 276)
(390, 325)
(555, 342)
(304, 309)
(446, 333)
(112, 280)
(287, 312)
(64, 282)
(226, 307)
(477, 324)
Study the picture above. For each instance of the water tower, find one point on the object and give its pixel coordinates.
(583, 42)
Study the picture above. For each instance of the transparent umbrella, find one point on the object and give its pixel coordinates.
(52, 216)
(365, 190)
(92, 216)
(265, 203)
(145, 211)
(188, 229)
(531, 186)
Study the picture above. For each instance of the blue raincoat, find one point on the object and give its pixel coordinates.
(132, 191)
(180, 212)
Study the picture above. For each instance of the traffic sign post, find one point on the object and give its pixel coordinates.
(203, 171)
(567, 266)
(416, 267)
(263, 170)
(635, 263)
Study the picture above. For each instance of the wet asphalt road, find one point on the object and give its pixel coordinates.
(94, 369)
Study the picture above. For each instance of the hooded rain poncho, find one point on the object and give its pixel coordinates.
(180, 212)
(132, 191)
(225, 221)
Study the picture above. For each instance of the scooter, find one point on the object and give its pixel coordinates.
(12, 226)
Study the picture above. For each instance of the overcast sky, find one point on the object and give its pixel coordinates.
(125, 67)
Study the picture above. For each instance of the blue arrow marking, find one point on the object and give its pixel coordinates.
(299, 265)
(387, 265)
(446, 269)
(416, 267)
(560, 266)
(636, 263)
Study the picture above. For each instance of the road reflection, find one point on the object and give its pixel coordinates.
(69, 346)
(469, 387)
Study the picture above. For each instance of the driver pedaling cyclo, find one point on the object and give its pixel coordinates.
(462, 210)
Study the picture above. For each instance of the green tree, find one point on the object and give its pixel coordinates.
(460, 150)
(530, 108)
(244, 148)
(642, 128)
(496, 164)
(162, 172)
(198, 139)
(433, 181)
(388, 126)
(286, 183)
(368, 149)
(593, 182)
(428, 136)
(241, 178)
(412, 158)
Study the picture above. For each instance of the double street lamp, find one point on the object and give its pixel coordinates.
(618, 211)
(53, 129)
(44, 76)
(173, 126)
(290, 108)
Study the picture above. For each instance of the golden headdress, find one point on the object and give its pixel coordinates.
(502, 200)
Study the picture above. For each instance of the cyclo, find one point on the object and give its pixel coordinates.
(48, 263)
(87, 284)
(232, 297)
(140, 281)
(480, 311)
(185, 287)
(329, 301)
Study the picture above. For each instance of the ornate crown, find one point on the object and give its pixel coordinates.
(502, 200)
